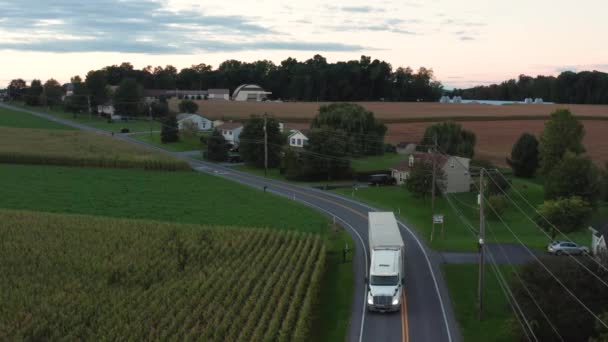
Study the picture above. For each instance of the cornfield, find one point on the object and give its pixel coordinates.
(91, 278)
(75, 148)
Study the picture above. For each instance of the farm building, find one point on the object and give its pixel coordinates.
(201, 123)
(231, 131)
(218, 94)
(297, 138)
(456, 170)
(250, 92)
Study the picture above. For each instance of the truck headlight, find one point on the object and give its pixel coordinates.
(370, 299)
(395, 300)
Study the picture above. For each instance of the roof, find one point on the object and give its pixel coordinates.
(230, 125)
(601, 228)
(294, 132)
(404, 165)
(183, 116)
(248, 87)
(384, 262)
(219, 91)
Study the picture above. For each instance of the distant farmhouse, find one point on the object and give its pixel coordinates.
(250, 92)
(201, 123)
(456, 170)
(231, 131)
(296, 138)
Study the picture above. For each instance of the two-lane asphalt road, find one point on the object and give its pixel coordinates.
(426, 314)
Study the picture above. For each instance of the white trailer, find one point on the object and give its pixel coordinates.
(386, 274)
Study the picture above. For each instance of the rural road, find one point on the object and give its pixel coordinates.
(426, 314)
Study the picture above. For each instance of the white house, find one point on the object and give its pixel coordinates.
(201, 123)
(231, 131)
(599, 232)
(455, 169)
(107, 109)
(218, 94)
(249, 92)
(297, 138)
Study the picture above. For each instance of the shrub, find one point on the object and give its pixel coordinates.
(524, 156)
(495, 207)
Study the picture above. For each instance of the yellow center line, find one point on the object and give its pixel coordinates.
(405, 334)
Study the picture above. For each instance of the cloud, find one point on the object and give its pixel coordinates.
(466, 38)
(360, 9)
(141, 26)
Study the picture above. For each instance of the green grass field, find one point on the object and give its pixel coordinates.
(374, 163)
(78, 148)
(140, 125)
(184, 143)
(457, 236)
(185, 197)
(497, 324)
(18, 119)
(88, 278)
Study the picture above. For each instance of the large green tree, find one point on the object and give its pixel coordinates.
(33, 97)
(524, 156)
(452, 139)
(573, 176)
(251, 142)
(97, 87)
(217, 148)
(354, 124)
(78, 101)
(53, 93)
(188, 106)
(169, 131)
(536, 286)
(128, 98)
(420, 179)
(17, 89)
(324, 157)
(566, 214)
(563, 132)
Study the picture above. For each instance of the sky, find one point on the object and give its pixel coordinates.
(466, 43)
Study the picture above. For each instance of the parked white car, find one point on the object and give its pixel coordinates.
(566, 247)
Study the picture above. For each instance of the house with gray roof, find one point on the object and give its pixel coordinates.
(455, 169)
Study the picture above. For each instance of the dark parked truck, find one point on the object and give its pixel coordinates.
(386, 278)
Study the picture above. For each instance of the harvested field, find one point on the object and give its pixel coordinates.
(495, 138)
(77, 148)
(392, 111)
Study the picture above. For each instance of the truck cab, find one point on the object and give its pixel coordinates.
(385, 284)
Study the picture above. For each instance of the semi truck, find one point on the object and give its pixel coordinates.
(387, 254)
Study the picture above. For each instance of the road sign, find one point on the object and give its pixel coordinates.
(438, 219)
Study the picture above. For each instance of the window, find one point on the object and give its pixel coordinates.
(299, 142)
(452, 165)
(229, 132)
(293, 141)
(204, 124)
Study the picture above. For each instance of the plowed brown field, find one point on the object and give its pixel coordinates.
(495, 138)
(391, 111)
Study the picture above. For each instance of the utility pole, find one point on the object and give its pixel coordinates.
(150, 117)
(89, 106)
(482, 236)
(433, 185)
(265, 145)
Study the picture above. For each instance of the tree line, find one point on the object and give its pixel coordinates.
(585, 87)
(312, 80)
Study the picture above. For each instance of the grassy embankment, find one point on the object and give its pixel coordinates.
(83, 278)
(184, 197)
(498, 318)
(457, 237)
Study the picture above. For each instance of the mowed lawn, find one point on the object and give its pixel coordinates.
(186, 197)
(19, 119)
(377, 163)
(498, 320)
(458, 236)
(141, 124)
(78, 148)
